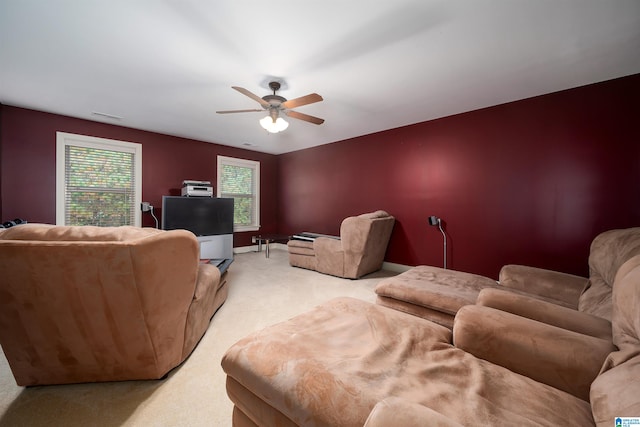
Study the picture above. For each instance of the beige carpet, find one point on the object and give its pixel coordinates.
(262, 292)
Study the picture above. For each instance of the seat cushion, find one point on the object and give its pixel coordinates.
(300, 247)
(331, 365)
(302, 254)
(434, 289)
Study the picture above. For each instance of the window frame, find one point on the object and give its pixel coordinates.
(253, 164)
(64, 139)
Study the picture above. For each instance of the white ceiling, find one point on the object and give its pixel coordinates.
(167, 66)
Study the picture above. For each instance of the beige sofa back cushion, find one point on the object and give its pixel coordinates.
(609, 250)
(55, 233)
(615, 392)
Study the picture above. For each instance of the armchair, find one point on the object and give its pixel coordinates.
(88, 304)
(359, 250)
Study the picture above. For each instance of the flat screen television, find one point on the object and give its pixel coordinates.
(203, 216)
(209, 218)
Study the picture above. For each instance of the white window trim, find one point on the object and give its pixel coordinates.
(223, 160)
(63, 139)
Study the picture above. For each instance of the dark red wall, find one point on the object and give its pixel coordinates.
(28, 172)
(527, 182)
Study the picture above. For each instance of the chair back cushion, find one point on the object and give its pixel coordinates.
(364, 241)
(609, 250)
(616, 391)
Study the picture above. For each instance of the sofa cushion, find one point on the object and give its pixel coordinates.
(614, 393)
(563, 359)
(545, 312)
(300, 247)
(609, 250)
(49, 232)
(398, 412)
(436, 289)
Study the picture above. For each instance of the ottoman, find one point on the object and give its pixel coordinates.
(319, 367)
(301, 254)
(332, 365)
(432, 293)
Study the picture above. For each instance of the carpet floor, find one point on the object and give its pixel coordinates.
(261, 292)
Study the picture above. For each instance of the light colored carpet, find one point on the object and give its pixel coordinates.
(262, 292)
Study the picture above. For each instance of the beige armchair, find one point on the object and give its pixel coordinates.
(87, 304)
(359, 250)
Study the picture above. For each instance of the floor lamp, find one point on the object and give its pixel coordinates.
(434, 220)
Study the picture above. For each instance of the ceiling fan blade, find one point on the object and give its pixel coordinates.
(236, 111)
(305, 117)
(252, 96)
(303, 100)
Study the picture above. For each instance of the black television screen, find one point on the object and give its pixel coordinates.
(203, 216)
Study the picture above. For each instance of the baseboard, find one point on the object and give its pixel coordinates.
(396, 268)
(389, 266)
(254, 248)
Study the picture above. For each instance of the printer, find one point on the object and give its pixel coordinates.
(194, 188)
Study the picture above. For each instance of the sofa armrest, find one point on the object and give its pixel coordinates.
(545, 312)
(547, 283)
(563, 359)
(394, 411)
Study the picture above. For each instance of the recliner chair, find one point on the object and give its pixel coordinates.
(359, 250)
(87, 304)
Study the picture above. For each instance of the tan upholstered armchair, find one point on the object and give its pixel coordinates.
(86, 304)
(359, 250)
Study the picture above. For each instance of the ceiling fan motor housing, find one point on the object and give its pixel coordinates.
(274, 100)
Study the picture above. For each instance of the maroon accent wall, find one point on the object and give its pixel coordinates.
(529, 182)
(28, 169)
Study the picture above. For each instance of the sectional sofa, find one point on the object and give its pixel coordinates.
(352, 363)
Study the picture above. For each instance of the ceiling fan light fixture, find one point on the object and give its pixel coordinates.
(274, 126)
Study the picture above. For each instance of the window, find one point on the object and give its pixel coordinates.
(240, 179)
(98, 181)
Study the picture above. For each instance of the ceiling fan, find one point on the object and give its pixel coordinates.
(276, 104)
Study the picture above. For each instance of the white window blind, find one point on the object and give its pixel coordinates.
(240, 180)
(98, 181)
